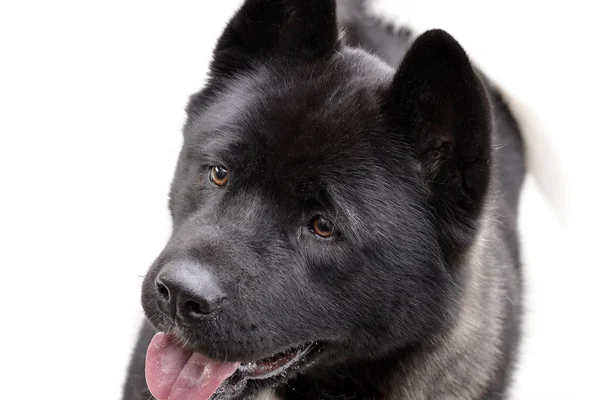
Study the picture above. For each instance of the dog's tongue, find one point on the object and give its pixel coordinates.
(173, 373)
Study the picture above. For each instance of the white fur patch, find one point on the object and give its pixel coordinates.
(541, 155)
(266, 395)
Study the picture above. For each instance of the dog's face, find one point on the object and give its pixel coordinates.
(320, 198)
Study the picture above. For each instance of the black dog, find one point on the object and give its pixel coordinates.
(344, 212)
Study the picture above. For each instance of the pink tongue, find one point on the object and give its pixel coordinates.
(173, 373)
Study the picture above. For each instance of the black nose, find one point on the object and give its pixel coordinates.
(188, 290)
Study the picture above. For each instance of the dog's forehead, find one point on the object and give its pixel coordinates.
(322, 110)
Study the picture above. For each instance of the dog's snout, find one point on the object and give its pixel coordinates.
(188, 291)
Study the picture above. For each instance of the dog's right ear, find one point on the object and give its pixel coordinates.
(297, 29)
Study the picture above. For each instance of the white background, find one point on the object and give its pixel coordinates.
(91, 105)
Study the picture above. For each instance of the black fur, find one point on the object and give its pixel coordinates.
(407, 161)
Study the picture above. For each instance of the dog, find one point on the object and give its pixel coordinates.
(344, 219)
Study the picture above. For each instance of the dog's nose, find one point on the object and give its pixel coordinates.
(188, 290)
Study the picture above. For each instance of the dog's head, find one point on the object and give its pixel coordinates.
(322, 201)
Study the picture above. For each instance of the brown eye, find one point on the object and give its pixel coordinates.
(218, 175)
(322, 226)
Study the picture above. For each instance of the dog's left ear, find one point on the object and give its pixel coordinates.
(441, 104)
(297, 29)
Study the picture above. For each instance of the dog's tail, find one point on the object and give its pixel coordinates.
(541, 154)
(361, 27)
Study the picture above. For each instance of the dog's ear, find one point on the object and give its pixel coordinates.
(298, 29)
(441, 103)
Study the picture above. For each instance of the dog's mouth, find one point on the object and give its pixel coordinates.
(276, 364)
(176, 373)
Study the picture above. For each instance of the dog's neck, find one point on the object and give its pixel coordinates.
(468, 361)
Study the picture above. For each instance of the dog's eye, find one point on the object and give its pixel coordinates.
(218, 175)
(321, 226)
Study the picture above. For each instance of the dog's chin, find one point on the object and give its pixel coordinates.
(253, 377)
